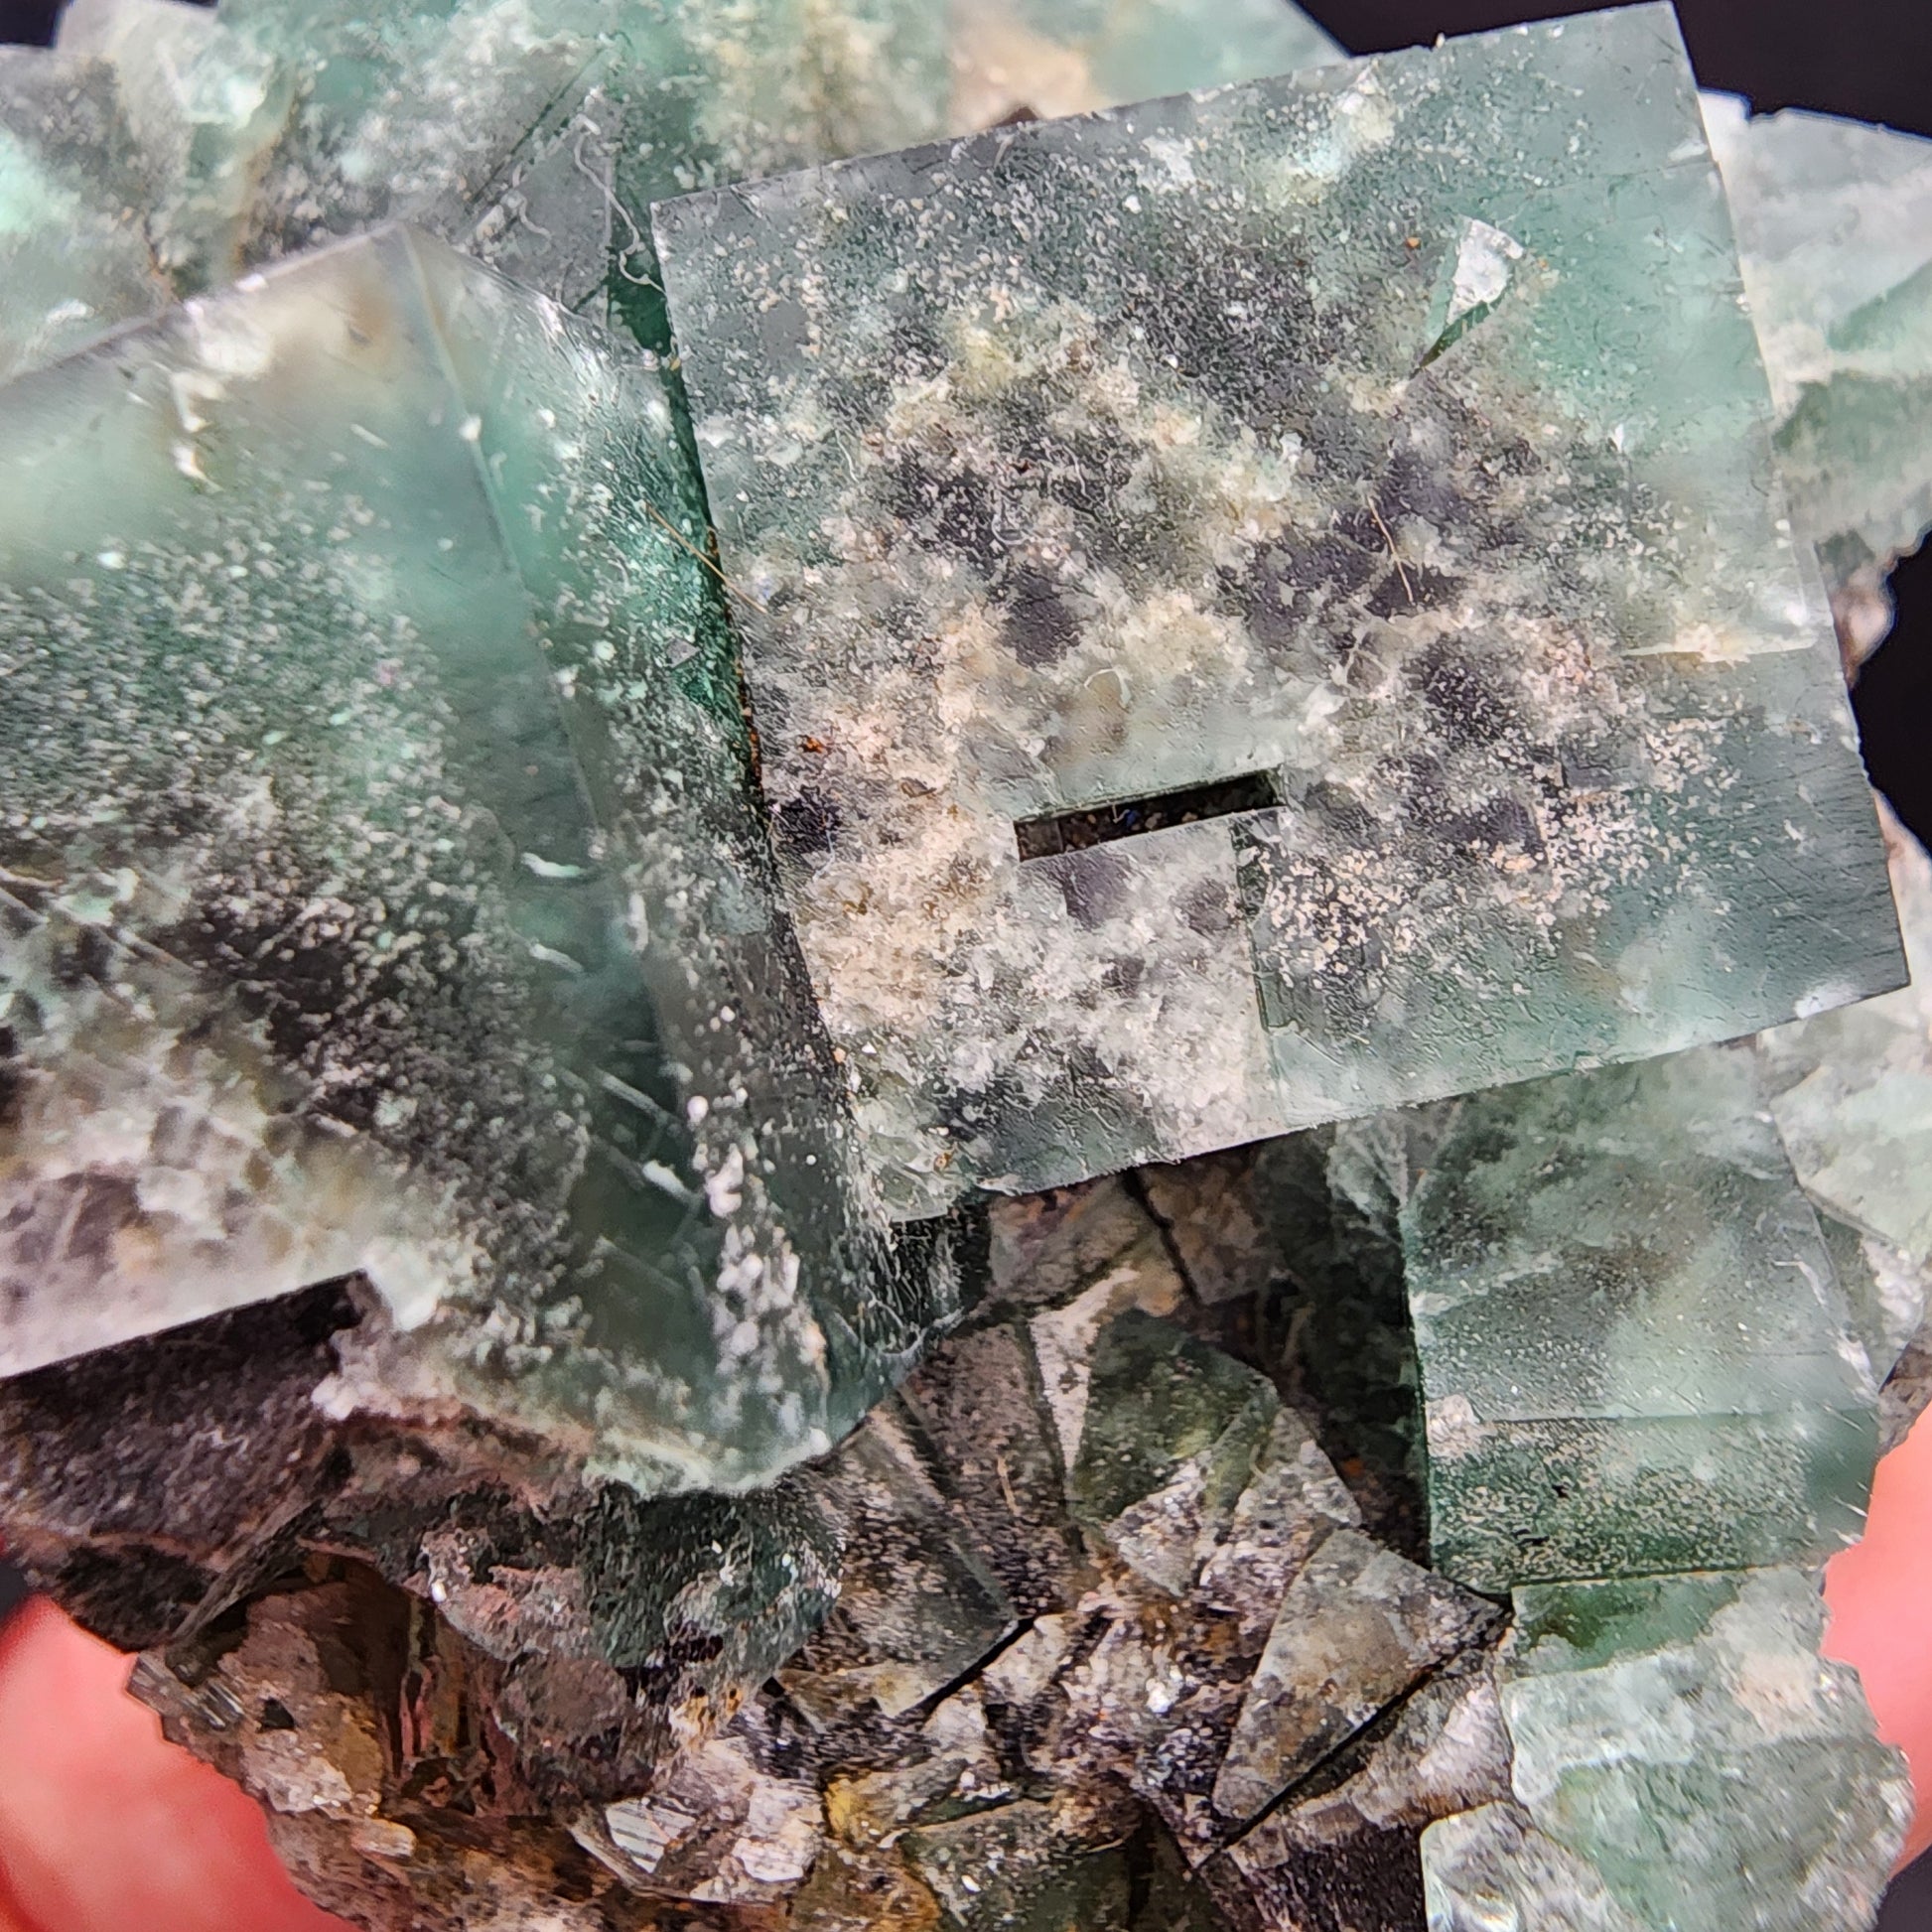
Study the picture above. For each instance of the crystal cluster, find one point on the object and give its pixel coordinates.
(1008, 1036)
(385, 890)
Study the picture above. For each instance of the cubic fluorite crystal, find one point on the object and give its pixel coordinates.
(1635, 1354)
(1259, 607)
(533, 137)
(1834, 224)
(72, 250)
(1247, 620)
(383, 890)
(1649, 1720)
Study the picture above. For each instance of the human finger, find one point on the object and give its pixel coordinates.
(1879, 1593)
(103, 1825)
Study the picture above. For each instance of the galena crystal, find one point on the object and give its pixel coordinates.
(383, 890)
(1248, 624)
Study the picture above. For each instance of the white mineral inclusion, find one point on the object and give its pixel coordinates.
(1482, 266)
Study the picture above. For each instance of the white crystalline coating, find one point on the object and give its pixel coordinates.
(152, 48)
(1851, 1090)
(644, 1829)
(186, 1180)
(718, 1829)
(1902, 1297)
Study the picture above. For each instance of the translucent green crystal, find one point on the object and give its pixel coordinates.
(1072, 469)
(533, 135)
(1635, 1355)
(536, 137)
(1834, 224)
(1692, 1758)
(1851, 1091)
(383, 889)
(73, 252)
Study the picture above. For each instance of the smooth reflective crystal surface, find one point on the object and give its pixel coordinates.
(1052, 499)
(383, 887)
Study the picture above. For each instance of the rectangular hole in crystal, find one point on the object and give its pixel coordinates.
(1129, 818)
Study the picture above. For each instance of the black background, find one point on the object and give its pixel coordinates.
(1870, 59)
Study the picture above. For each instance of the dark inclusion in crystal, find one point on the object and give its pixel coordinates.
(1309, 435)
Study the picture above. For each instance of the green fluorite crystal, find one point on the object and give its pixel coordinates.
(1851, 1091)
(383, 887)
(1834, 224)
(1318, 435)
(1691, 1760)
(1635, 1355)
(537, 136)
(74, 248)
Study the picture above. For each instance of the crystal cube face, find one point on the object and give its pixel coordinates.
(72, 256)
(1834, 224)
(1672, 1812)
(1635, 1353)
(535, 136)
(1273, 604)
(1644, 1748)
(384, 885)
